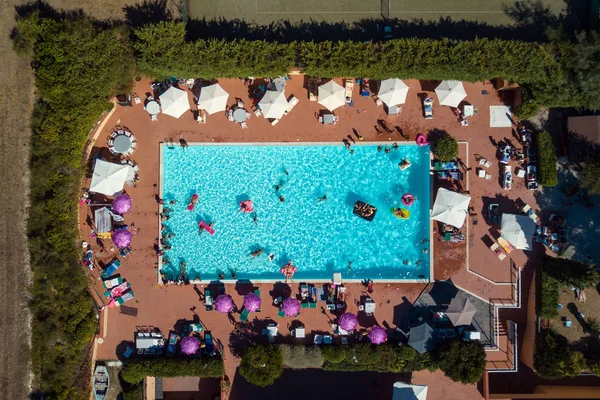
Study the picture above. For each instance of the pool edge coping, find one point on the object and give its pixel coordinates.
(162, 145)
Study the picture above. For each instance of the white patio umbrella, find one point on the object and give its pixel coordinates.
(518, 230)
(109, 178)
(273, 104)
(405, 391)
(450, 93)
(392, 92)
(331, 95)
(174, 102)
(213, 99)
(450, 207)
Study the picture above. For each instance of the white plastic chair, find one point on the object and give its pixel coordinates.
(110, 143)
(133, 145)
(274, 122)
(154, 118)
(244, 126)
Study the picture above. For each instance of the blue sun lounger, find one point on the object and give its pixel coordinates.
(111, 268)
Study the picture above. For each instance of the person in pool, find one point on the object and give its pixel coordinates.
(256, 253)
(271, 257)
(255, 219)
(322, 198)
(281, 199)
(201, 228)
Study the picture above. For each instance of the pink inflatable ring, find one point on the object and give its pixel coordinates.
(408, 199)
(421, 140)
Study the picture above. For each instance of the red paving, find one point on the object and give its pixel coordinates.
(162, 307)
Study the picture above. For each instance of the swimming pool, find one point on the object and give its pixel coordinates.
(319, 236)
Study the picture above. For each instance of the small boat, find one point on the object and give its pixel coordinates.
(101, 382)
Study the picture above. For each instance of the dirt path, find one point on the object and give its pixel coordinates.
(16, 103)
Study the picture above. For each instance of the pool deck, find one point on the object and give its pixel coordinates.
(470, 265)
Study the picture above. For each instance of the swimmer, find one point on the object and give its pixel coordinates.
(233, 274)
(379, 148)
(387, 150)
(170, 235)
(167, 248)
(281, 199)
(286, 172)
(165, 260)
(425, 241)
(172, 202)
(277, 187)
(256, 253)
(351, 151)
(322, 198)
(255, 219)
(347, 146)
(395, 146)
(425, 251)
(271, 257)
(162, 227)
(183, 264)
(221, 276)
(166, 210)
(350, 264)
(164, 218)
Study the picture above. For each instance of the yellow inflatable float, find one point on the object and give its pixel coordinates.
(400, 212)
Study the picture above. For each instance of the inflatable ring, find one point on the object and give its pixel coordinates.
(408, 199)
(246, 206)
(421, 140)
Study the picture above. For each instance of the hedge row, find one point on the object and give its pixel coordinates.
(461, 361)
(76, 71)
(546, 160)
(163, 51)
(135, 370)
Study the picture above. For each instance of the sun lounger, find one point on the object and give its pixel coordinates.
(111, 283)
(321, 294)
(327, 339)
(318, 339)
(172, 346)
(119, 301)
(428, 108)
(291, 104)
(257, 292)
(505, 245)
(244, 315)
(281, 313)
(111, 268)
(497, 251)
(208, 301)
(446, 166)
(210, 346)
(125, 252)
(312, 298)
(192, 328)
(128, 352)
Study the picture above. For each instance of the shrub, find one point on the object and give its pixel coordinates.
(134, 392)
(572, 273)
(300, 357)
(526, 110)
(462, 361)
(78, 64)
(554, 358)
(589, 178)
(548, 296)
(262, 365)
(382, 358)
(445, 148)
(135, 371)
(546, 160)
(334, 354)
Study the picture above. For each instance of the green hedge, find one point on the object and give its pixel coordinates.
(77, 65)
(547, 304)
(546, 160)
(554, 358)
(382, 358)
(134, 371)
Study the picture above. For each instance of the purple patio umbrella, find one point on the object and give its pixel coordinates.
(121, 238)
(121, 204)
(189, 345)
(377, 335)
(223, 303)
(252, 302)
(291, 307)
(348, 322)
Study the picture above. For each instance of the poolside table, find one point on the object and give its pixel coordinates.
(239, 115)
(122, 144)
(328, 119)
(153, 107)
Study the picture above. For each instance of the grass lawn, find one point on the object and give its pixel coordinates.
(590, 308)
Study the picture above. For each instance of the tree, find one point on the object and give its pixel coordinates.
(572, 273)
(589, 178)
(554, 358)
(262, 365)
(462, 361)
(300, 356)
(547, 306)
(446, 148)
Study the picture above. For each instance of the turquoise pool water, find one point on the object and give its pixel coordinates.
(320, 237)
